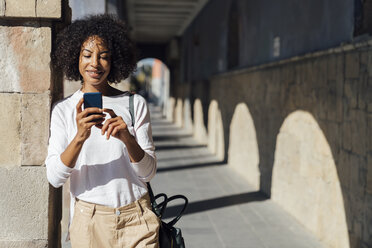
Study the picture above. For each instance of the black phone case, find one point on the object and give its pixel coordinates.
(92, 99)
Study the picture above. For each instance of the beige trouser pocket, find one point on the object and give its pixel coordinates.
(131, 226)
(139, 229)
(80, 229)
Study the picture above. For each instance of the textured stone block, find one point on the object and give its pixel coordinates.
(369, 173)
(346, 135)
(287, 73)
(352, 65)
(319, 71)
(357, 186)
(343, 169)
(364, 57)
(363, 92)
(332, 68)
(369, 65)
(354, 240)
(24, 8)
(25, 59)
(333, 133)
(48, 8)
(369, 133)
(10, 130)
(35, 128)
(339, 102)
(368, 95)
(69, 87)
(24, 243)
(24, 204)
(369, 107)
(2, 7)
(358, 131)
(350, 92)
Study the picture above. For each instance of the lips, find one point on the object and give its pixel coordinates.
(94, 73)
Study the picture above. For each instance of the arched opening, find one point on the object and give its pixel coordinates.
(151, 80)
(243, 147)
(216, 143)
(305, 180)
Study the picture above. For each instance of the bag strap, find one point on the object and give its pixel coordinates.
(154, 205)
(159, 208)
(131, 108)
(175, 197)
(131, 111)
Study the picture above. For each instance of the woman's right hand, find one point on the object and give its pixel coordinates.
(84, 122)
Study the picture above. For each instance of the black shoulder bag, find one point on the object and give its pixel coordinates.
(169, 235)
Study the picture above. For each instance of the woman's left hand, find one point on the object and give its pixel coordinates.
(115, 126)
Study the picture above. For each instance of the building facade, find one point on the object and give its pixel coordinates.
(282, 92)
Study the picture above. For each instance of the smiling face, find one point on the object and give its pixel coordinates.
(94, 63)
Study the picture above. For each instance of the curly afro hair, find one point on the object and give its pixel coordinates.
(107, 27)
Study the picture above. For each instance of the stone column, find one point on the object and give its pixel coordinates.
(27, 213)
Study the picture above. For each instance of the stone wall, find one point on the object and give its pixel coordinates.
(334, 89)
(26, 87)
(31, 8)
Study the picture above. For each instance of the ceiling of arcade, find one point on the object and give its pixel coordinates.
(160, 20)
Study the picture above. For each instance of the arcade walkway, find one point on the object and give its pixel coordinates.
(223, 209)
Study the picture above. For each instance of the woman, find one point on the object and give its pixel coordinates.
(107, 159)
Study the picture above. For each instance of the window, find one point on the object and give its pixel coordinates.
(233, 36)
(362, 17)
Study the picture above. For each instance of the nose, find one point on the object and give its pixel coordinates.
(94, 61)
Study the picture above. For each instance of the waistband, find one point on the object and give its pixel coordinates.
(138, 205)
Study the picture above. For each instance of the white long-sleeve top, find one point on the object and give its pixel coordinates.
(103, 173)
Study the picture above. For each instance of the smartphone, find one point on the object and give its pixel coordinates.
(93, 99)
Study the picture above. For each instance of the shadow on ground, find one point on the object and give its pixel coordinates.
(220, 202)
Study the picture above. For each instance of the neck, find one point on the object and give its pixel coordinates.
(104, 88)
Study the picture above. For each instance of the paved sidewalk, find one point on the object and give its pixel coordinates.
(223, 211)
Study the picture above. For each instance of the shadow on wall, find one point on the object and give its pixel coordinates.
(305, 180)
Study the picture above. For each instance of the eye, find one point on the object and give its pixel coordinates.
(86, 56)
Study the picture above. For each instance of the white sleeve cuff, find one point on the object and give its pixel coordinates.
(145, 168)
(62, 168)
(57, 171)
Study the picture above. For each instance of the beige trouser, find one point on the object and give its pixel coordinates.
(97, 226)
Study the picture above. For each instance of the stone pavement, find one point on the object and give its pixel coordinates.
(223, 211)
